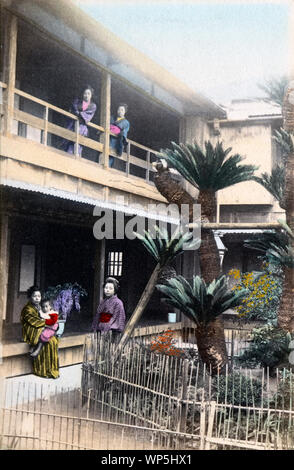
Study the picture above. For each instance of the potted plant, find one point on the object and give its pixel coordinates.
(66, 298)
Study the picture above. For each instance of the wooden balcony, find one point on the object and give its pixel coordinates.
(38, 149)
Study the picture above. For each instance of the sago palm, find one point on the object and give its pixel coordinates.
(209, 171)
(164, 249)
(203, 303)
(274, 183)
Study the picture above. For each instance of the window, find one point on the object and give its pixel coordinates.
(27, 267)
(115, 260)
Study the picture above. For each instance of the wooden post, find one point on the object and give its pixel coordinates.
(148, 167)
(99, 273)
(10, 45)
(128, 159)
(184, 395)
(202, 425)
(210, 424)
(105, 116)
(77, 132)
(3, 280)
(45, 132)
(141, 305)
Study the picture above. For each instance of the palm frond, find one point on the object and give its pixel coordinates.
(275, 246)
(211, 169)
(274, 183)
(200, 302)
(275, 88)
(164, 248)
(285, 140)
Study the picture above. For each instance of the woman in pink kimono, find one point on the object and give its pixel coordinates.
(110, 314)
(84, 109)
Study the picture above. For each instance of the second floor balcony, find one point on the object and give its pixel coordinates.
(39, 81)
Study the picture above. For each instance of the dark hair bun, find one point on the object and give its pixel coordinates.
(33, 289)
(112, 280)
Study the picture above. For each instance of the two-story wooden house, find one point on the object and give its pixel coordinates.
(49, 51)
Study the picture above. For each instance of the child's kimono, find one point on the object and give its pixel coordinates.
(47, 333)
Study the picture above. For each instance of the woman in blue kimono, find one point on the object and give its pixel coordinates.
(119, 126)
(85, 109)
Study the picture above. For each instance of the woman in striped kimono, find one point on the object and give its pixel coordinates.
(46, 363)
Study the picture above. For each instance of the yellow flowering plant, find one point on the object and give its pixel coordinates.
(265, 289)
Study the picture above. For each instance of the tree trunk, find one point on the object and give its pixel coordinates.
(210, 343)
(141, 305)
(209, 255)
(213, 344)
(286, 308)
(211, 338)
(172, 191)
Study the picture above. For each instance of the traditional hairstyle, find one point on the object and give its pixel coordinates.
(33, 289)
(124, 105)
(112, 280)
(88, 87)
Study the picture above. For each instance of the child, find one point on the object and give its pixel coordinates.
(51, 322)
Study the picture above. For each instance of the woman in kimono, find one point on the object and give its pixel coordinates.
(85, 109)
(110, 314)
(119, 126)
(46, 363)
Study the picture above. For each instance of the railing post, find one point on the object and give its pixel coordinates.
(128, 159)
(45, 132)
(10, 45)
(105, 116)
(148, 167)
(77, 132)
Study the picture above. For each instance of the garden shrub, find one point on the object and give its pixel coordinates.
(284, 397)
(269, 347)
(265, 290)
(237, 389)
(165, 344)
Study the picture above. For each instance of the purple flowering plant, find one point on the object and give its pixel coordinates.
(66, 298)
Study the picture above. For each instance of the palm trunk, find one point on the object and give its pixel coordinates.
(210, 338)
(286, 308)
(172, 191)
(210, 343)
(209, 255)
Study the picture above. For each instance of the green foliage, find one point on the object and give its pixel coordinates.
(164, 248)
(209, 170)
(200, 302)
(264, 293)
(275, 246)
(269, 347)
(284, 397)
(274, 183)
(275, 88)
(285, 140)
(237, 389)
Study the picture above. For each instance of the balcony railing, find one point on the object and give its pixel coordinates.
(138, 165)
